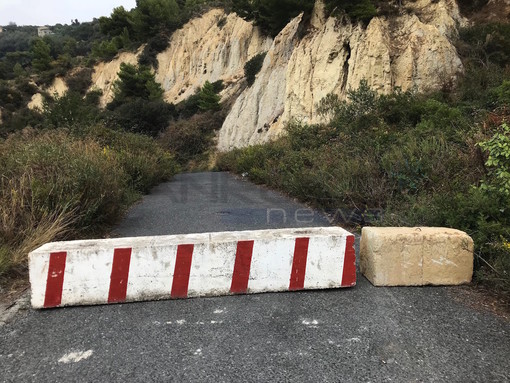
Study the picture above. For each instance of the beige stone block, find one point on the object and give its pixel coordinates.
(401, 256)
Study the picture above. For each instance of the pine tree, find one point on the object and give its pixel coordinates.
(207, 98)
(41, 58)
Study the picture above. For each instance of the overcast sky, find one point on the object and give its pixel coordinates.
(50, 12)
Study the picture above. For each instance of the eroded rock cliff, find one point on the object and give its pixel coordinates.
(410, 51)
(213, 47)
(305, 62)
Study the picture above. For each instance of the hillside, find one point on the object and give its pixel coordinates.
(306, 61)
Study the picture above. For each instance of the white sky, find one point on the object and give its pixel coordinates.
(50, 12)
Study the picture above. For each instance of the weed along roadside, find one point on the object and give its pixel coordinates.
(57, 186)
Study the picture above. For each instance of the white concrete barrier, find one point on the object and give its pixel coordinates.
(195, 265)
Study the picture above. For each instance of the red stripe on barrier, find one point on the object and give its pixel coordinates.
(55, 281)
(297, 277)
(242, 267)
(182, 271)
(349, 274)
(119, 276)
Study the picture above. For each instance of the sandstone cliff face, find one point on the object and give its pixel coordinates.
(58, 87)
(209, 48)
(412, 51)
(213, 47)
(261, 105)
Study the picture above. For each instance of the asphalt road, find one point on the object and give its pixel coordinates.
(364, 334)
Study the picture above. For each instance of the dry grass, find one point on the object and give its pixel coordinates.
(55, 186)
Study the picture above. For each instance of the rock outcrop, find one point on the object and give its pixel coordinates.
(213, 47)
(58, 87)
(260, 106)
(410, 51)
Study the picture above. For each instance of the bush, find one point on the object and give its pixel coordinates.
(486, 43)
(69, 111)
(205, 99)
(142, 116)
(145, 163)
(498, 162)
(51, 176)
(105, 50)
(136, 82)
(208, 99)
(56, 186)
(191, 139)
(253, 67)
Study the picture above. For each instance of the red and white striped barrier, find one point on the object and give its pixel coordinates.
(183, 266)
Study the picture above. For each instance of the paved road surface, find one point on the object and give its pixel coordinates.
(361, 335)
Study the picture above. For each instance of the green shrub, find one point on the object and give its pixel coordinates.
(142, 116)
(208, 99)
(498, 161)
(68, 111)
(105, 50)
(189, 107)
(486, 43)
(253, 67)
(145, 163)
(138, 104)
(136, 82)
(205, 99)
(51, 172)
(41, 58)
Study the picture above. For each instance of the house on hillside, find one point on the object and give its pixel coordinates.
(1, 29)
(44, 31)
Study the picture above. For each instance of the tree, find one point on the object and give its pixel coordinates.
(136, 83)
(272, 15)
(253, 67)
(18, 70)
(208, 99)
(153, 16)
(41, 58)
(119, 20)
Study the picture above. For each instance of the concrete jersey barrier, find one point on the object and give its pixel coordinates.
(195, 265)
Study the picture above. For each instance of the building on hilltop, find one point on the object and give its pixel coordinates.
(1, 29)
(44, 31)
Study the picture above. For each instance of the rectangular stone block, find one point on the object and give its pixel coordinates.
(400, 256)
